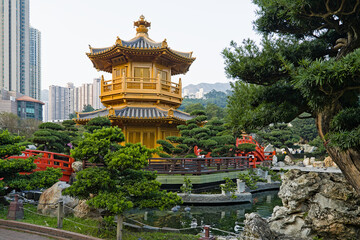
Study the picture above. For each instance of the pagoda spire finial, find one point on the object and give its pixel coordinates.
(142, 26)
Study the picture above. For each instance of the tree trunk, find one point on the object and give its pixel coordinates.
(348, 161)
(289, 153)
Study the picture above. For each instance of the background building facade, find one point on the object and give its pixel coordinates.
(64, 101)
(96, 93)
(24, 106)
(29, 108)
(35, 63)
(15, 46)
(59, 103)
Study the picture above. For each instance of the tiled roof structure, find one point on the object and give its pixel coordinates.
(138, 113)
(142, 42)
(89, 115)
(29, 99)
(141, 45)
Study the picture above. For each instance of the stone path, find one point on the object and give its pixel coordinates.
(6, 234)
(310, 169)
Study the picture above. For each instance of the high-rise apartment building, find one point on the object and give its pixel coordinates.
(96, 93)
(86, 95)
(66, 100)
(59, 103)
(35, 63)
(15, 46)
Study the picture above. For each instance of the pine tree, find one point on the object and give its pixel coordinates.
(9, 169)
(120, 184)
(308, 63)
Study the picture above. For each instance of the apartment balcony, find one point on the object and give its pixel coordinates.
(137, 89)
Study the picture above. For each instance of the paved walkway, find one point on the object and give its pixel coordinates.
(6, 234)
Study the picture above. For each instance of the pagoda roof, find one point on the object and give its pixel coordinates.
(138, 113)
(90, 115)
(138, 43)
(140, 47)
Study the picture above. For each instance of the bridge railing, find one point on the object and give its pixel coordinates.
(269, 155)
(197, 166)
(49, 159)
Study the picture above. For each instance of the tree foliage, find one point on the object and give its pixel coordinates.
(10, 168)
(88, 108)
(213, 104)
(73, 133)
(210, 137)
(305, 129)
(194, 107)
(51, 137)
(97, 123)
(9, 144)
(15, 125)
(280, 136)
(10, 122)
(121, 184)
(214, 111)
(190, 135)
(308, 63)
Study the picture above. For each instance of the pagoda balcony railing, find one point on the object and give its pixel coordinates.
(140, 85)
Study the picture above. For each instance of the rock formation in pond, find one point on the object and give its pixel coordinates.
(314, 204)
(258, 228)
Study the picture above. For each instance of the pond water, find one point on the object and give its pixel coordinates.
(228, 218)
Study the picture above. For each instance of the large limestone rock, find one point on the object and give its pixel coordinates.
(258, 228)
(306, 162)
(77, 166)
(317, 204)
(288, 160)
(82, 210)
(318, 164)
(51, 196)
(328, 162)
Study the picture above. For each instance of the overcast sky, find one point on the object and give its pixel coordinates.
(204, 27)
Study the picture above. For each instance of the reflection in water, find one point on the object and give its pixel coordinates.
(228, 218)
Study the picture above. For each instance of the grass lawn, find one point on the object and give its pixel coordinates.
(91, 227)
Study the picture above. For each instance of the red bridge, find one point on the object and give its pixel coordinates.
(255, 157)
(259, 155)
(49, 159)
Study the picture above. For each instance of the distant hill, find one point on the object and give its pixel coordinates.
(193, 88)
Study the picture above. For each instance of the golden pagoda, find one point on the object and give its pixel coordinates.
(141, 97)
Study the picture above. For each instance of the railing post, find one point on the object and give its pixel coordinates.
(60, 215)
(207, 231)
(119, 227)
(123, 84)
(158, 87)
(102, 85)
(199, 167)
(207, 234)
(179, 87)
(15, 210)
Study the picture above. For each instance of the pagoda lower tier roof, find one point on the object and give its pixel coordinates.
(137, 113)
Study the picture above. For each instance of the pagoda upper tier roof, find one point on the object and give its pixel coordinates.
(140, 48)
